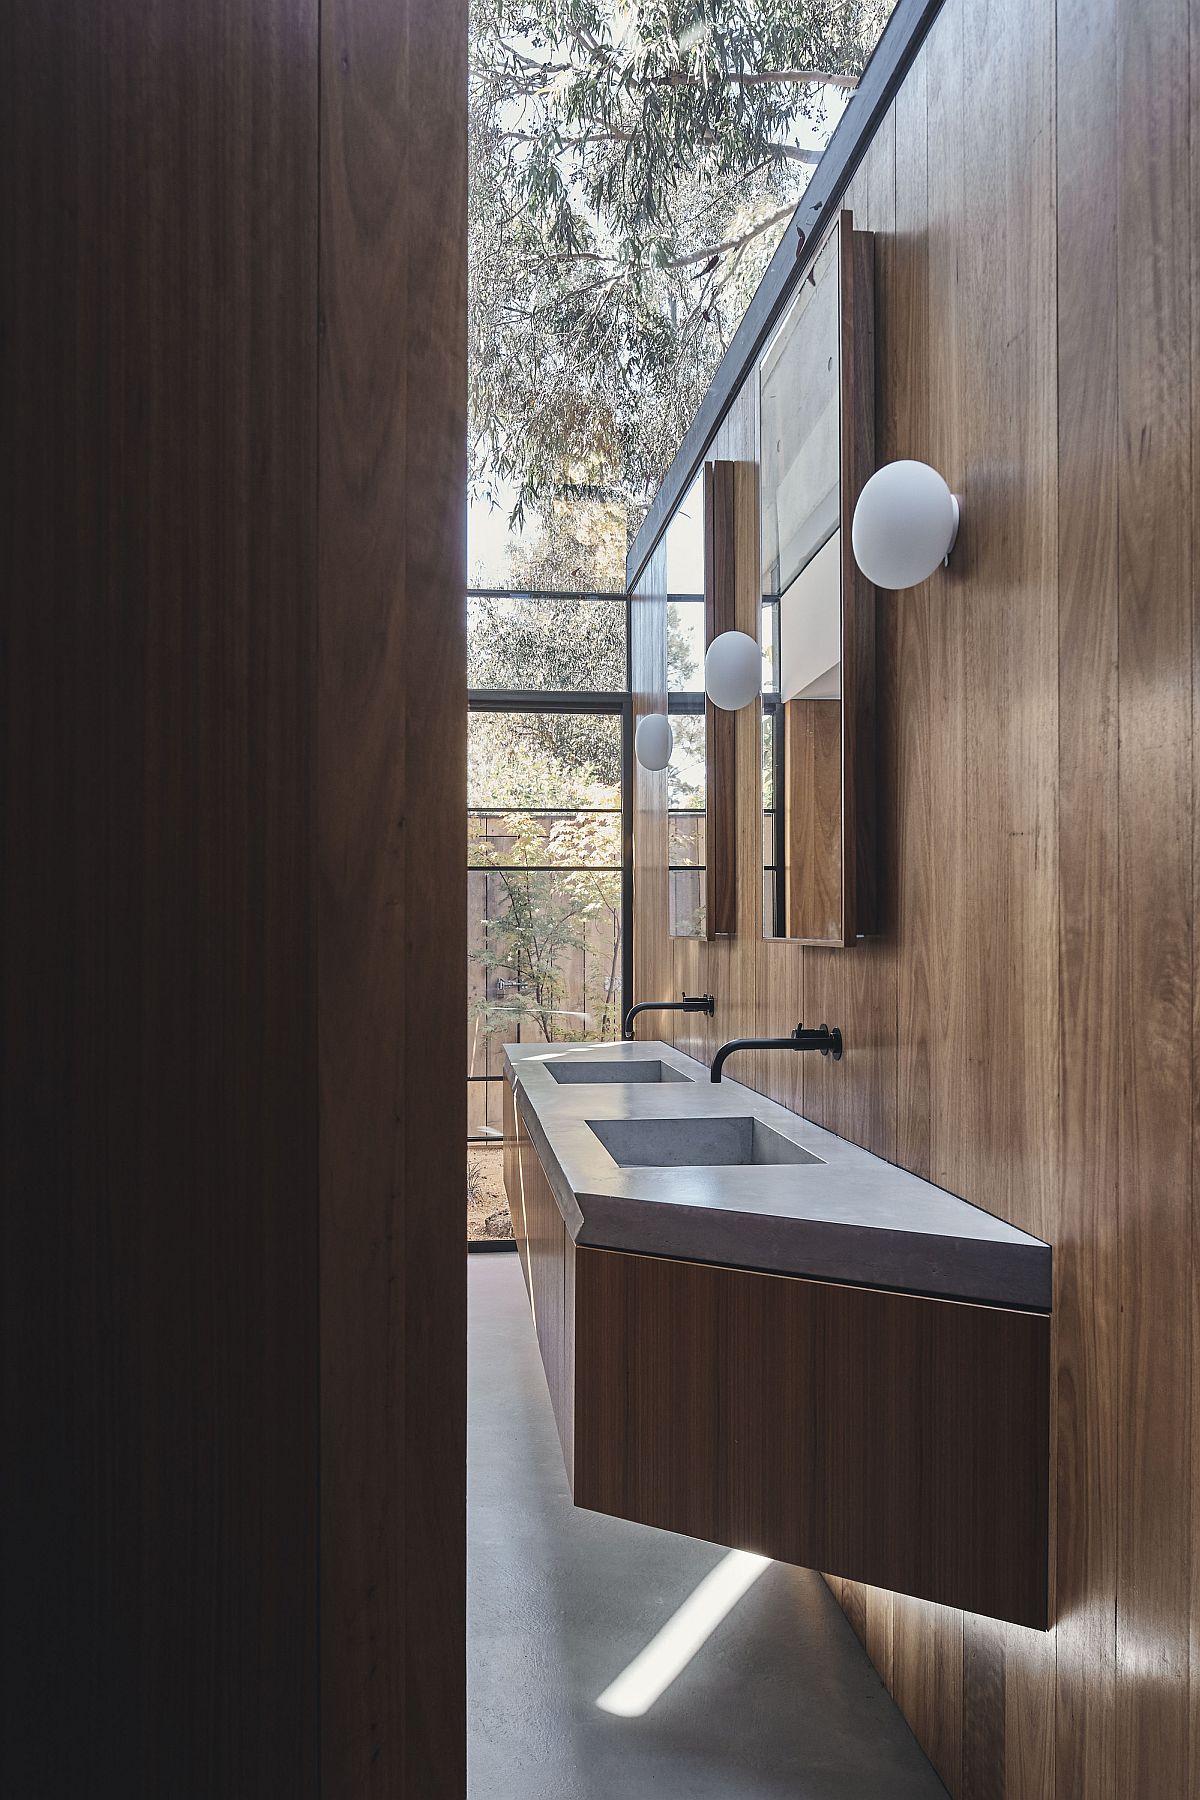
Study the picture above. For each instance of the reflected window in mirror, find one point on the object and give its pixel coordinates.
(816, 397)
(687, 801)
(774, 921)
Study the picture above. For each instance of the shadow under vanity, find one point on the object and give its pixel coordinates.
(756, 1333)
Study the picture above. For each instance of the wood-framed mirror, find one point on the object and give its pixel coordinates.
(712, 587)
(817, 434)
(687, 772)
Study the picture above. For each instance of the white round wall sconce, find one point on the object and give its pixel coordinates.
(905, 524)
(733, 670)
(653, 741)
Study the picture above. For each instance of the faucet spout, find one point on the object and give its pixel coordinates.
(690, 1003)
(827, 1041)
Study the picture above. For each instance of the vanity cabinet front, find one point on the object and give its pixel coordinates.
(548, 1265)
(886, 1437)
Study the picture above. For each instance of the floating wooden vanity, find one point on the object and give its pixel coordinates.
(895, 1438)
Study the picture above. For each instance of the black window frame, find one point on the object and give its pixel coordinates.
(609, 702)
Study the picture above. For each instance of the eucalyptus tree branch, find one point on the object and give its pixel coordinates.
(569, 143)
(791, 152)
(733, 243)
(680, 78)
(538, 74)
(797, 77)
(796, 153)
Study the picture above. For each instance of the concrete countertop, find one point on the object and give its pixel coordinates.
(848, 1217)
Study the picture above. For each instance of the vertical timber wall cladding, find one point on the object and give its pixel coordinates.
(232, 388)
(392, 917)
(1022, 1028)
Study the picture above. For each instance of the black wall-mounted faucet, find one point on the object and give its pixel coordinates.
(701, 1003)
(828, 1042)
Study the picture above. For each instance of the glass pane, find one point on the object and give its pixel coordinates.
(487, 1206)
(801, 428)
(537, 759)
(687, 785)
(477, 1108)
(685, 542)
(545, 958)
(544, 907)
(477, 1034)
(768, 759)
(687, 902)
(529, 642)
(686, 772)
(685, 645)
(768, 843)
(770, 646)
(530, 840)
(769, 892)
(685, 840)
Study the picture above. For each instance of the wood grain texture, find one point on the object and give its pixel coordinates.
(548, 1256)
(934, 932)
(513, 1189)
(860, 773)
(888, 1439)
(1194, 1633)
(1086, 1251)
(1011, 1159)
(391, 798)
(233, 436)
(1155, 901)
(812, 760)
(158, 447)
(1022, 1028)
(721, 783)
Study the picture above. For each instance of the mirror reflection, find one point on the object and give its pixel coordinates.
(686, 774)
(800, 399)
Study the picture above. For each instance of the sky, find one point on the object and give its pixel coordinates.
(489, 539)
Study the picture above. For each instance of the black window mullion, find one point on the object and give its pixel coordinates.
(555, 700)
(581, 703)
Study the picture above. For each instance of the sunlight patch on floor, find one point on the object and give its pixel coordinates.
(669, 1652)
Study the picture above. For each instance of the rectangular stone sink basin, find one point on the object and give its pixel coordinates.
(695, 1143)
(588, 1073)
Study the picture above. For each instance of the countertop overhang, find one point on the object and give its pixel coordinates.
(849, 1217)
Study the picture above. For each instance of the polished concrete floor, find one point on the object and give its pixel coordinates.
(779, 1701)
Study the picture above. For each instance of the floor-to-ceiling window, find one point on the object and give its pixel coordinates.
(549, 875)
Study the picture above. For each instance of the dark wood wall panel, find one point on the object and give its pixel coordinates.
(159, 1262)
(392, 798)
(216, 356)
(1021, 1029)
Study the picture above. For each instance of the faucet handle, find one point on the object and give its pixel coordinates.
(828, 1042)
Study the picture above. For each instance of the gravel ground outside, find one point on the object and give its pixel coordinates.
(487, 1207)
